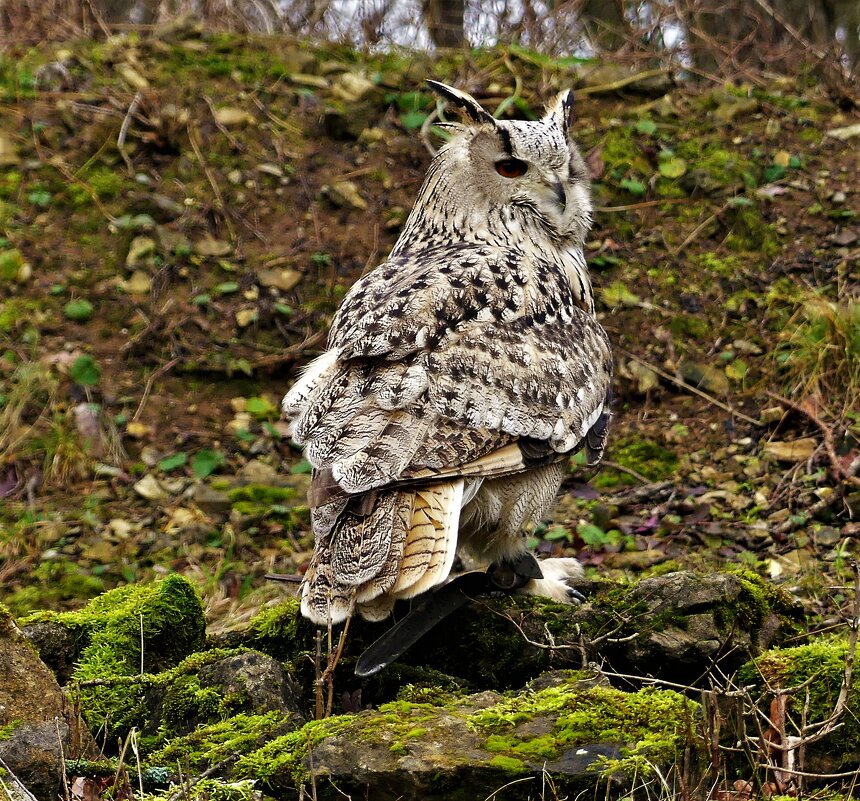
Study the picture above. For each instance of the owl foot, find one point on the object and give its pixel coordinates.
(546, 577)
(557, 572)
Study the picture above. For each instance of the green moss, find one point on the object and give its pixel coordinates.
(622, 155)
(508, 764)
(186, 701)
(8, 730)
(642, 455)
(209, 790)
(151, 626)
(651, 723)
(208, 745)
(282, 761)
(818, 667)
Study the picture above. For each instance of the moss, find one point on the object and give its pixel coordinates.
(208, 745)
(818, 667)
(642, 455)
(282, 761)
(186, 701)
(209, 790)
(652, 723)
(758, 600)
(165, 619)
(508, 764)
(8, 730)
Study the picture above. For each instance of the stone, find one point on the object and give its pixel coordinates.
(257, 471)
(845, 133)
(34, 754)
(344, 194)
(798, 450)
(141, 253)
(210, 500)
(138, 283)
(33, 707)
(212, 247)
(149, 487)
(255, 678)
(352, 87)
(283, 279)
(58, 647)
(231, 117)
(705, 377)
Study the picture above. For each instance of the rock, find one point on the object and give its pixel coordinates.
(138, 283)
(231, 117)
(282, 279)
(729, 106)
(212, 247)
(352, 87)
(141, 253)
(34, 754)
(667, 626)
(344, 194)
(245, 317)
(8, 151)
(257, 679)
(844, 134)
(470, 746)
(32, 714)
(798, 450)
(160, 207)
(58, 647)
(257, 471)
(149, 487)
(210, 500)
(705, 377)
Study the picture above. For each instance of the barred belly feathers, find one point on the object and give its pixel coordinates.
(459, 375)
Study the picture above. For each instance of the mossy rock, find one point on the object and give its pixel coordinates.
(125, 632)
(817, 669)
(586, 738)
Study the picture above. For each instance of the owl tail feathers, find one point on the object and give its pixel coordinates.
(399, 544)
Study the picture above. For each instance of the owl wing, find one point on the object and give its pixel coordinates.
(459, 363)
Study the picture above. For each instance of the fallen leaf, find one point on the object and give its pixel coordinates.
(798, 450)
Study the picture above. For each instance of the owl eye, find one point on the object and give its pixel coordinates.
(511, 168)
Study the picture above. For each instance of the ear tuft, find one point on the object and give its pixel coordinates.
(560, 110)
(464, 101)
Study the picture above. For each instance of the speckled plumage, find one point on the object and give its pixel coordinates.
(459, 373)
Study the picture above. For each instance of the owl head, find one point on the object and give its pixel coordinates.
(529, 169)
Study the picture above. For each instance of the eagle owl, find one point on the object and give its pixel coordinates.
(459, 375)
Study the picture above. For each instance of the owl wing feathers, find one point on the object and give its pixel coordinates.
(462, 364)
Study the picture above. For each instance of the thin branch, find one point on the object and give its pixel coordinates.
(123, 132)
(695, 390)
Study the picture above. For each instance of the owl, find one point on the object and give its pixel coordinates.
(459, 376)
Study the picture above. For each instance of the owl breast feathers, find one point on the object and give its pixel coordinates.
(459, 374)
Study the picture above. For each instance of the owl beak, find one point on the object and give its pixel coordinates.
(560, 195)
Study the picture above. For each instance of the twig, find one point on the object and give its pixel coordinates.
(153, 377)
(698, 230)
(839, 472)
(234, 143)
(603, 88)
(695, 390)
(123, 132)
(291, 353)
(623, 469)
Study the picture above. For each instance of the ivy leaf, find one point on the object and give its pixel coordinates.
(206, 462)
(261, 407)
(172, 462)
(736, 370)
(84, 371)
(647, 127)
(412, 120)
(227, 288)
(79, 310)
(633, 187)
(304, 466)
